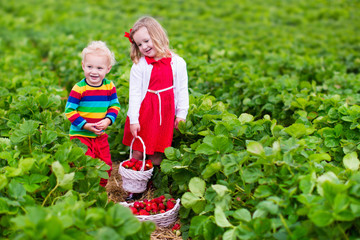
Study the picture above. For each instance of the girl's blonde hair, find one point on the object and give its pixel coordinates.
(99, 47)
(157, 34)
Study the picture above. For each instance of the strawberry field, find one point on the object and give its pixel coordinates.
(270, 148)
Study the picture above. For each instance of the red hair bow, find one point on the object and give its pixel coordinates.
(127, 35)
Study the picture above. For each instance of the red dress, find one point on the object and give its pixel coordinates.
(156, 137)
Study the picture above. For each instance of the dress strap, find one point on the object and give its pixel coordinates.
(157, 92)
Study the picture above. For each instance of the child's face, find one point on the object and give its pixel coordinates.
(95, 67)
(144, 42)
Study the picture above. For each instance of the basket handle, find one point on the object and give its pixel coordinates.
(144, 153)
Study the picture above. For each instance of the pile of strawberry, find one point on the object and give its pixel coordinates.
(153, 206)
(136, 165)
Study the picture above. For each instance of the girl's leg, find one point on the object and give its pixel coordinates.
(156, 158)
(137, 155)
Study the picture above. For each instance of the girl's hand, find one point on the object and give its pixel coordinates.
(134, 128)
(103, 124)
(92, 128)
(177, 120)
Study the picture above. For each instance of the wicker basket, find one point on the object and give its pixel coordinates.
(135, 181)
(161, 219)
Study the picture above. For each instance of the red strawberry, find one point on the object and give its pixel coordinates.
(133, 160)
(142, 205)
(148, 164)
(154, 207)
(162, 197)
(125, 165)
(161, 206)
(148, 208)
(134, 168)
(136, 204)
(162, 210)
(175, 227)
(134, 210)
(138, 165)
(143, 212)
(170, 205)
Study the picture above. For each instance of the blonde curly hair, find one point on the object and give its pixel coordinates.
(100, 48)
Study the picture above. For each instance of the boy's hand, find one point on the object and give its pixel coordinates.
(103, 124)
(92, 128)
(177, 120)
(134, 128)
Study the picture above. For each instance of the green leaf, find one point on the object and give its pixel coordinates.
(211, 169)
(318, 157)
(245, 118)
(221, 190)
(16, 189)
(242, 214)
(67, 181)
(263, 191)
(251, 174)
(167, 166)
(222, 144)
(341, 202)
(268, 206)
(307, 183)
(197, 225)
(58, 170)
(255, 148)
(321, 218)
(297, 130)
(351, 161)
(107, 233)
(3, 181)
(206, 149)
(197, 186)
(26, 164)
(220, 218)
(345, 215)
(172, 153)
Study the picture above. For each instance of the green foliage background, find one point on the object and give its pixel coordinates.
(272, 132)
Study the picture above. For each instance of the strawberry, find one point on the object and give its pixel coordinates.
(170, 204)
(134, 168)
(154, 207)
(134, 210)
(136, 204)
(162, 210)
(130, 164)
(158, 200)
(143, 212)
(175, 227)
(148, 164)
(142, 205)
(161, 206)
(148, 208)
(138, 165)
(125, 165)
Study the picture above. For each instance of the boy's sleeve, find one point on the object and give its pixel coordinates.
(71, 108)
(114, 106)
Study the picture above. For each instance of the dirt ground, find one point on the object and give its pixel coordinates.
(117, 194)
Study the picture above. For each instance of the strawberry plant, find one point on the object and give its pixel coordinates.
(270, 146)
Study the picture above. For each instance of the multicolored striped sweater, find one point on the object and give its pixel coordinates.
(88, 104)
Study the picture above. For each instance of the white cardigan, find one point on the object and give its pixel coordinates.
(139, 82)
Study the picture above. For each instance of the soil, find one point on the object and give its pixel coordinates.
(117, 194)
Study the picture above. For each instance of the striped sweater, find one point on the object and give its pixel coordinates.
(88, 104)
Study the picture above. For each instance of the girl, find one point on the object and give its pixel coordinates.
(158, 94)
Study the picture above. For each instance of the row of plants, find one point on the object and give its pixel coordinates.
(269, 152)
